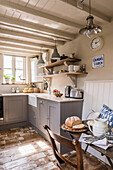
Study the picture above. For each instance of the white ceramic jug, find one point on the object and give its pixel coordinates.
(99, 126)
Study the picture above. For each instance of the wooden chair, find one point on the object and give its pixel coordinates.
(74, 145)
(90, 162)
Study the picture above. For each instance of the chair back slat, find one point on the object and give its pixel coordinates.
(67, 142)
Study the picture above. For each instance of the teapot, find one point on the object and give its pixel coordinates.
(99, 126)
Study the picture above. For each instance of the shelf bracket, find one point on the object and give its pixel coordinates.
(48, 69)
(73, 79)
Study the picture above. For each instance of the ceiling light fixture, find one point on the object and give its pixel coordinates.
(90, 29)
(40, 60)
(55, 55)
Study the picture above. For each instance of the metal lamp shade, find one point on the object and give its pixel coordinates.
(40, 61)
(55, 55)
(90, 29)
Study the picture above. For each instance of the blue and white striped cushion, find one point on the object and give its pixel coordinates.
(107, 113)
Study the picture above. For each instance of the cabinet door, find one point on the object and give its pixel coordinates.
(15, 109)
(54, 117)
(32, 114)
(42, 114)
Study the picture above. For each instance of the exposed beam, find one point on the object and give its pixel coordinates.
(23, 29)
(4, 50)
(37, 27)
(23, 42)
(39, 13)
(21, 47)
(30, 36)
(95, 13)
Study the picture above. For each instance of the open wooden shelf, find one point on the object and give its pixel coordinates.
(14, 84)
(61, 62)
(62, 74)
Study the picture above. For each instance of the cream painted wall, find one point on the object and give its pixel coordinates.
(81, 46)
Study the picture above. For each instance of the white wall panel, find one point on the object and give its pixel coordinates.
(96, 94)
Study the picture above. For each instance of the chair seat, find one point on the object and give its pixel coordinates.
(90, 163)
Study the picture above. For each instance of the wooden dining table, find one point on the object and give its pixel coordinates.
(107, 153)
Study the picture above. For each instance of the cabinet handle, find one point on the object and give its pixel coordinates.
(41, 102)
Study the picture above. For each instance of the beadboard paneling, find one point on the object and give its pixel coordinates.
(96, 94)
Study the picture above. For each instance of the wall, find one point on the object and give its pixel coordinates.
(81, 46)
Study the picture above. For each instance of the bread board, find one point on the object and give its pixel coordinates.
(64, 127)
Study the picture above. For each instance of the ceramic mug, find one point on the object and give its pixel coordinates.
(70, 68)
(76, 68)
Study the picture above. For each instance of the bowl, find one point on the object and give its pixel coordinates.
(58, 94)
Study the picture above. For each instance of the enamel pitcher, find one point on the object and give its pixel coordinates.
(99, 126)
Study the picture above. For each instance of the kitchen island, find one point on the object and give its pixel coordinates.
(37, 110)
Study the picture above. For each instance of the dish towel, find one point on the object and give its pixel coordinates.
(100, 143)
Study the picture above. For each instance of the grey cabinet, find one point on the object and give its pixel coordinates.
(15, 109)
(42, 114)
(32, 115)
(53, 116)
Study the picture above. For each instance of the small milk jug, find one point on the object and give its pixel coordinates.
(99, 126)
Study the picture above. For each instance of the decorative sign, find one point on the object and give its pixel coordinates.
(98, 61)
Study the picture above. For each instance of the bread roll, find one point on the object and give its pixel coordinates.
(71, 121)
(80, 126)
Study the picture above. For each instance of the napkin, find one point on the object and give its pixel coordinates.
(100, 143)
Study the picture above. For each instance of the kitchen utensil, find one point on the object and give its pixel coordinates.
(76, 68)
(99, 126)
(76, 93)
(67, 91)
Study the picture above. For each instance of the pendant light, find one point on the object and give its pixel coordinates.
(40, 60)
(90, 29)
(55, 55)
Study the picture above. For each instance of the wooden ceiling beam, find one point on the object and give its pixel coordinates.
(39, 13)
(21, 48)
(4, 50)
(30, 36)
(37, 27)
(11, 40)
(95, 13)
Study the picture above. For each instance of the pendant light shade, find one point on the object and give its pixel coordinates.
(55, 55)
(90, 29)
(40, 61)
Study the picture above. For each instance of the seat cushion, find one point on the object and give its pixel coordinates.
(107, 113)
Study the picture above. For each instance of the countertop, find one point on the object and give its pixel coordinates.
(43, 96)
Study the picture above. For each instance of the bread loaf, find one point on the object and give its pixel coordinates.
(71, 121)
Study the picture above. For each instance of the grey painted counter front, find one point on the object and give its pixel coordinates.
(54, 114)
(49, 110)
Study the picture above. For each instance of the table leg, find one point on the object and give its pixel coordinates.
(86, 148)
(110, 162)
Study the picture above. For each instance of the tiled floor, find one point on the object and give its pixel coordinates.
(25, 149)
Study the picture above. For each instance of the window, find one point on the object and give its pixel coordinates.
(14, 67)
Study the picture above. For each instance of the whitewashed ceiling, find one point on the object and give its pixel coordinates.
(26, 26)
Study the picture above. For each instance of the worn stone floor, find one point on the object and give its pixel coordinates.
(24, 149)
